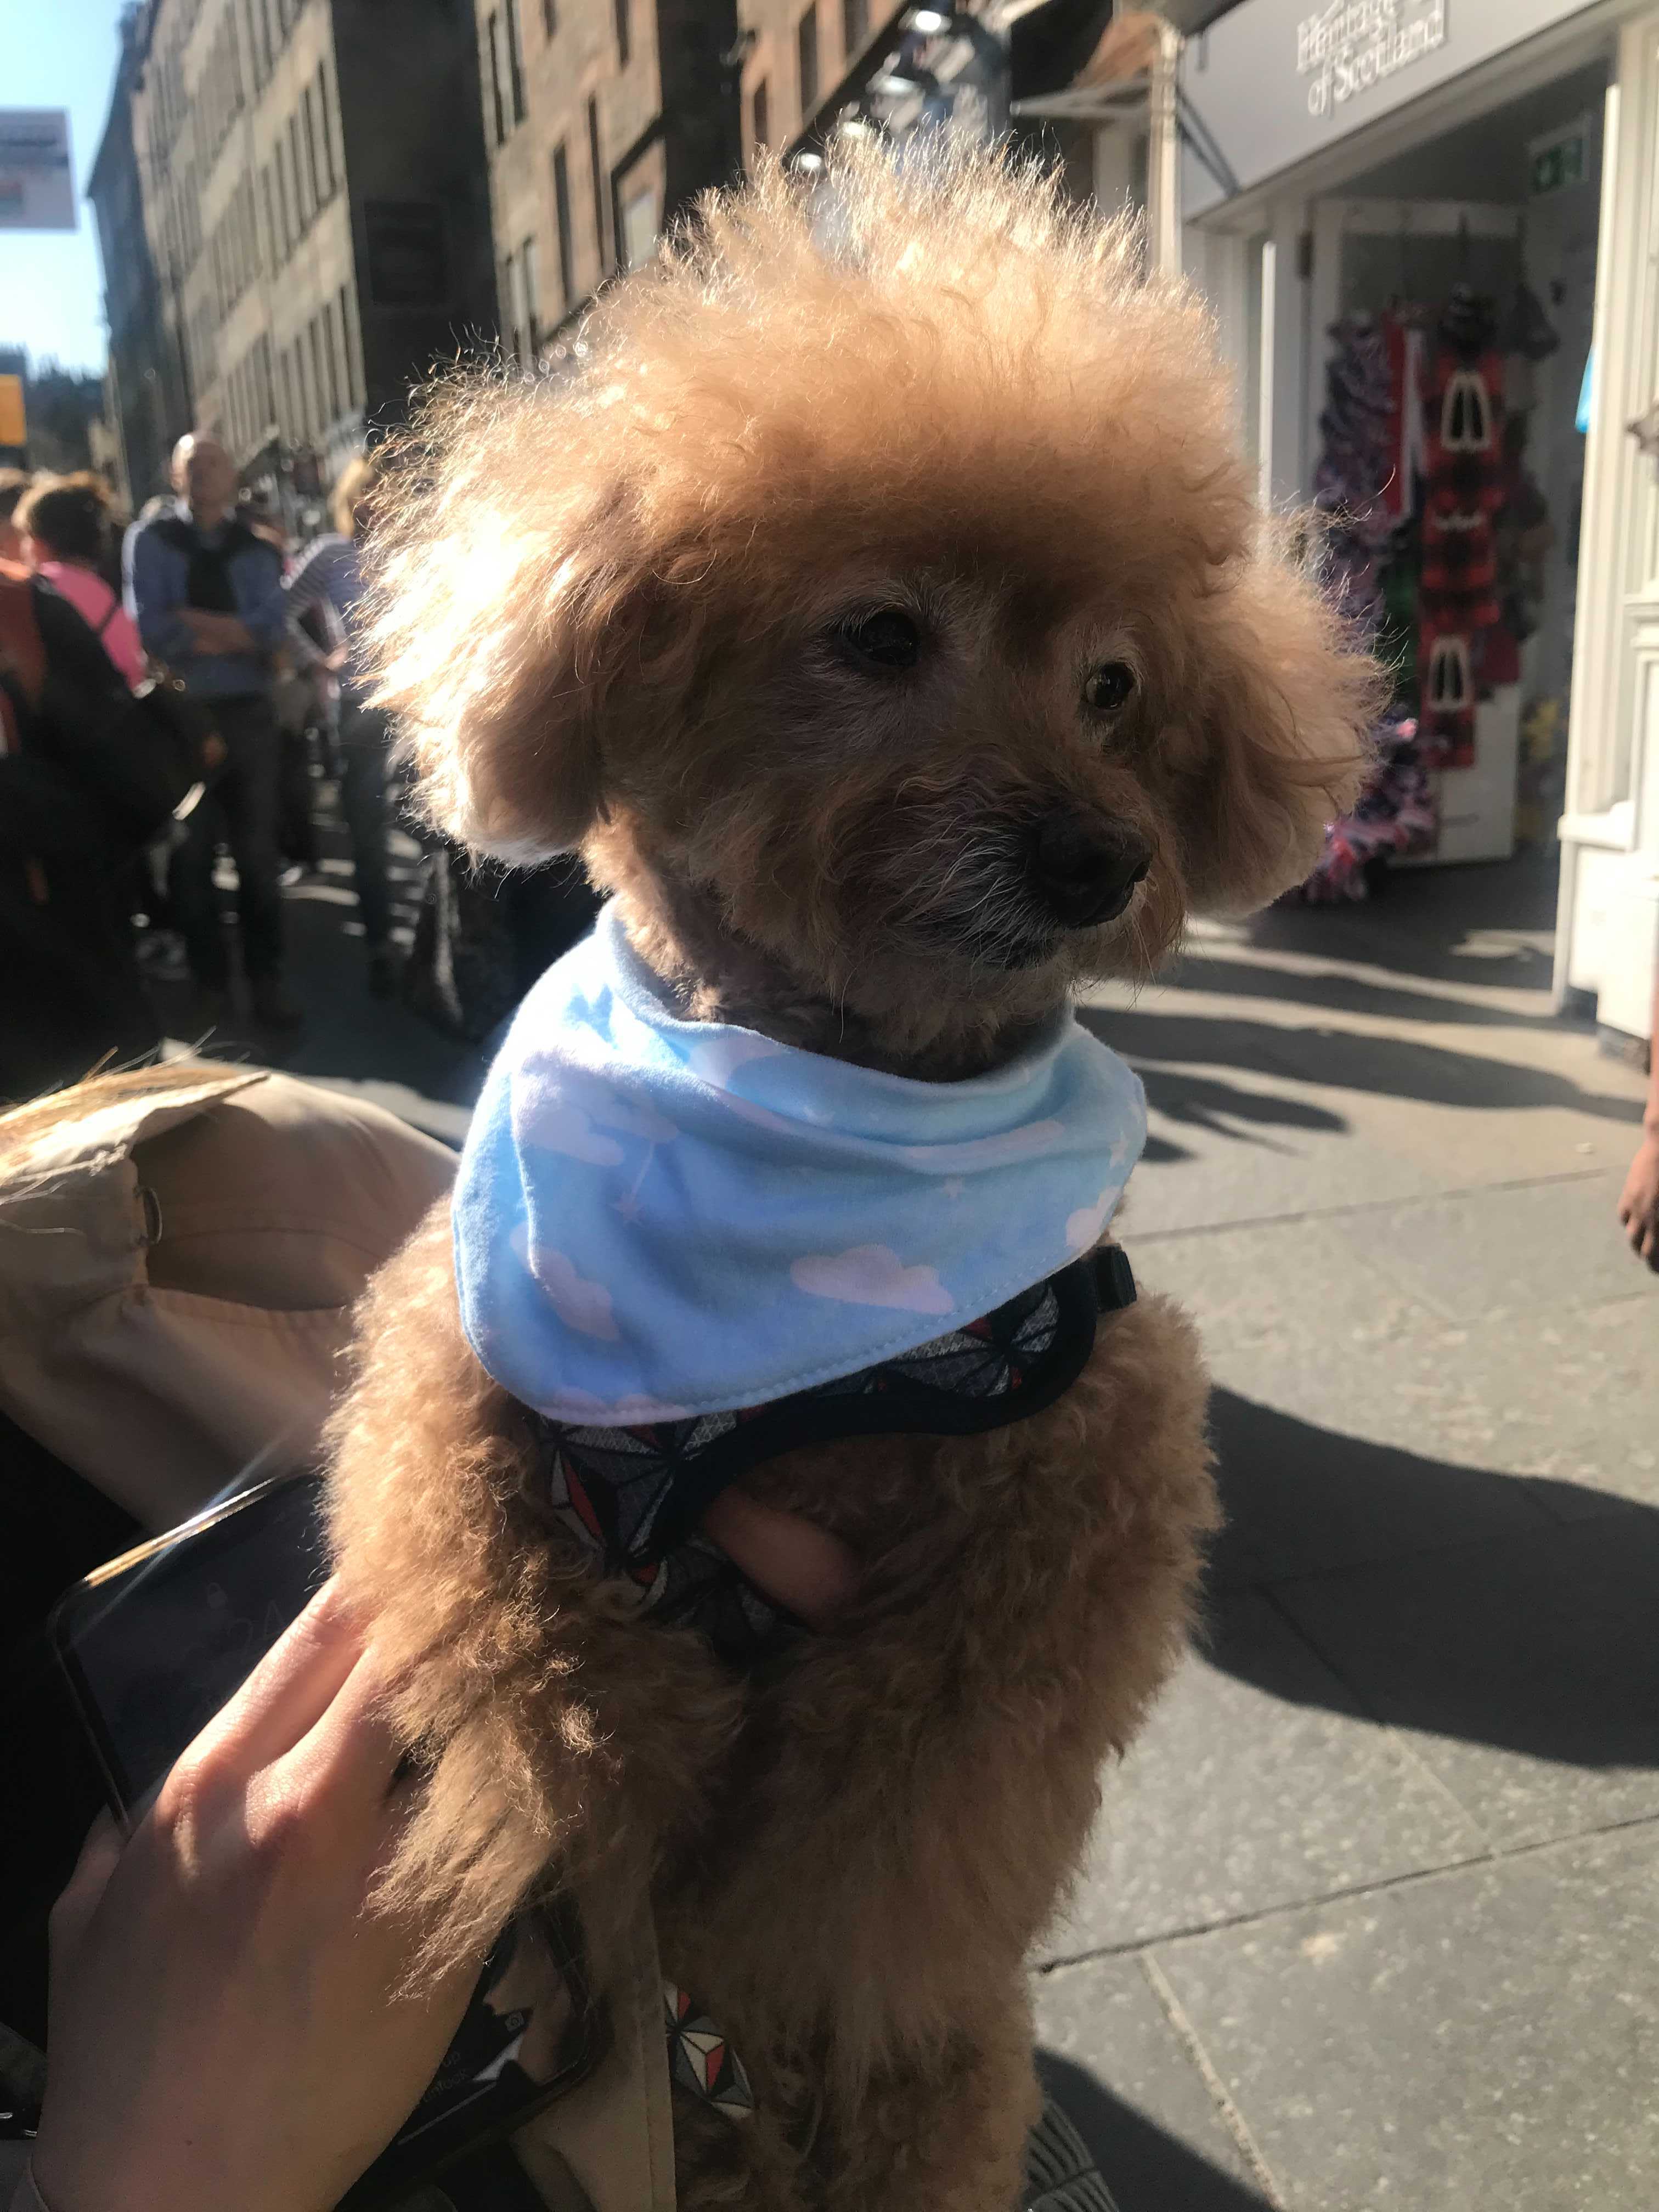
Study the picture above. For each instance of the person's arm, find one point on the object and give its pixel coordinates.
(227, 2020)
(149, 574)
(1638, 1205)
(264, 613)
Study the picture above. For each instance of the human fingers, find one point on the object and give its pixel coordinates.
(801, 1567)
(286, 1693)
(100, 1855)
(346, 1761)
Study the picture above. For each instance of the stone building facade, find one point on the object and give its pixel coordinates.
(315, 204)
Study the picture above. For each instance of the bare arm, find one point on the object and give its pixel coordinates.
(1638, 1205)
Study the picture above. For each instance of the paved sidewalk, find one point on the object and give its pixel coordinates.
(1372, 1917)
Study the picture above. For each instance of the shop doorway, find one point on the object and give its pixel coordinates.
(1452, 303)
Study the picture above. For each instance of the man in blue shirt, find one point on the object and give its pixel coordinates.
(206, 593)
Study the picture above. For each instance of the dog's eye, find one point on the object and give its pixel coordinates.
(1108, 686)
(886, 639)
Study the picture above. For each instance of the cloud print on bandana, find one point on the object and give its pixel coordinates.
(579, 1303)
(872, 1275)
(554, 1124)
(1082, 1228)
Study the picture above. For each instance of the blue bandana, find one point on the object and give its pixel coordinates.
(657, 1218)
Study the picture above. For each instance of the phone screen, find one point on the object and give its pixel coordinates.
(154, 1643)
(157, 1641)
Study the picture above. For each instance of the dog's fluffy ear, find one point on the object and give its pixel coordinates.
(508, 598)
(1280, 742)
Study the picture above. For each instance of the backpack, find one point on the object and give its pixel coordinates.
(144, 754)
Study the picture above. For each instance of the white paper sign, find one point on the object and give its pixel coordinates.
(37, 177)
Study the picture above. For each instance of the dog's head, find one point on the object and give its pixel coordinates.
(883, 578)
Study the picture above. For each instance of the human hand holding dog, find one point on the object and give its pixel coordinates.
(225, 2026)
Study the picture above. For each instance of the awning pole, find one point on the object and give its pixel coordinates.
(1163, 156)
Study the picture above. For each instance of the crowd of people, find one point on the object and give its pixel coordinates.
(191, 639)
(194, 645)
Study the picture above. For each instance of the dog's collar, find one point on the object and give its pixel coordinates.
(632, 1498)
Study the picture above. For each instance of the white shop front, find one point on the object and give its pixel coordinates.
(1430, 231)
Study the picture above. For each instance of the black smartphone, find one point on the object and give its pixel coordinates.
(153, 1643)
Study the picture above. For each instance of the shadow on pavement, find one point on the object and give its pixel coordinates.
(1201, 1101)
(1145, 2169)
(1428, 923)
(1346, 994)
(1397, 1068)
(1498, 1609)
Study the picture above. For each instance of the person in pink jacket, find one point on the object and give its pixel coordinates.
(65, 525)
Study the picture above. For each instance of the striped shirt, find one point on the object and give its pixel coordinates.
(328, 574)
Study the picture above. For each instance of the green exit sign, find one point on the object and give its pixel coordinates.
(1558, 164)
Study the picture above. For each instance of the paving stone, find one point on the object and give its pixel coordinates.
(1526, 1670)
(1109, 2056)
(1290, 1319)
(1485, 2038)
(1254, 1786)
(1551, 1247)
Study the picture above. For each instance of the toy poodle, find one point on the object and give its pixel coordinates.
(877, 601)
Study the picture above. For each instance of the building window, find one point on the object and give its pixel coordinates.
(289, 424)
(760, 118)
(326, 125)
(297, 171)
(515, 59)
(506, 302)
(355, 388)
(332, 358)
(854, 24)
(806, 50)
(624, 32)
(313, 176)
(532, 304)
(281, 197)
(639, 238)
(551, 17)
(599, 178)
(561, 227)
(495, 36)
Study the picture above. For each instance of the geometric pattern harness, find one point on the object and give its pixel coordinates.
(632, 1496)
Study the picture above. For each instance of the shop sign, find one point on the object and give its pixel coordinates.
(1273, 82)
(1354, 45)
(37, 183)
(1557, 163)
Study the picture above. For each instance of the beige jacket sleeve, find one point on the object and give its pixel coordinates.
(179, 1255)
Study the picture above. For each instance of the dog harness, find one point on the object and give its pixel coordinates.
(632, 1498)
(658, 1220)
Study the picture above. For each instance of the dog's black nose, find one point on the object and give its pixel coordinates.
(1085, 873)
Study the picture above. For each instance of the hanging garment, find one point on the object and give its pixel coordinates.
(1408, 437)
(1357, 465)
(1394, 815)
(1463, 404)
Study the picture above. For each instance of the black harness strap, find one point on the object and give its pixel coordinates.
(634, 1496)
